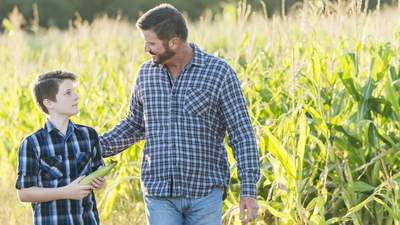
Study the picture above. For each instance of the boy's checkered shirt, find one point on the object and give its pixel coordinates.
(48, 159)
(184, 123)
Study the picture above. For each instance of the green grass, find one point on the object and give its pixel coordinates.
(321, 88)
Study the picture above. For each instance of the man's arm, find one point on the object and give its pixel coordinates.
(243, 143)
(72, 191)
(129, 130)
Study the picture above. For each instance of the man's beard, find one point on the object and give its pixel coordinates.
(161, 58)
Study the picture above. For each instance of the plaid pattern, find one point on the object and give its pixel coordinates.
(48, 159)
(184, 123)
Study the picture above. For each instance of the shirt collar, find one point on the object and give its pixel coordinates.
(48, 127)
(198, 56)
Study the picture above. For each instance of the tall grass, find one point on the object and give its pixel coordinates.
(321, 86)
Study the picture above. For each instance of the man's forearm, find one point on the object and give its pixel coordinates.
(38, 194)
(120, 137)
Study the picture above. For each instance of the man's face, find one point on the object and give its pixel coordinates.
(159, 50)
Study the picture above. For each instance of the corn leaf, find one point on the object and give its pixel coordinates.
(279, 152)
(346, 77)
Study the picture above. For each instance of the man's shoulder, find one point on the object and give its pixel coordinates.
(211, 60)
(145, 69)
(207, 57)
(219, 67)
(148, 65)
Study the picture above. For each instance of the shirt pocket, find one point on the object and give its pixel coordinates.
(52, 167)
(83, 163)
(197, 102)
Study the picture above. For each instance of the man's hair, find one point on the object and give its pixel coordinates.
(166, 21)
(46, 86)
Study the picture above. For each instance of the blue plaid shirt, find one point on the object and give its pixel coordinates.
(48, 159)
(184, 123)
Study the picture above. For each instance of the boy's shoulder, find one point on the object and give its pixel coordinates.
(87, 129)
(33, 140)
(36, 134)
(80, 126)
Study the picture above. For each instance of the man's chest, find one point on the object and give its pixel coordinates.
(191, 90)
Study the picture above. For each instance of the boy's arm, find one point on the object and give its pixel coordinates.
(28, 164)
(73, 191)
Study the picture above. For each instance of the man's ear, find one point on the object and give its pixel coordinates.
(173, 43)
(48, 103)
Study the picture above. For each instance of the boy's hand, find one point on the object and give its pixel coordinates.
(76, 191)
(98, 183)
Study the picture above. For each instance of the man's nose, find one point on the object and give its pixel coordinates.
(146, 47)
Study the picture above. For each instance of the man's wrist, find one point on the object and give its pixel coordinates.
(248, 189)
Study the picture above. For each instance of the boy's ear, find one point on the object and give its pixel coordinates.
(47, 103)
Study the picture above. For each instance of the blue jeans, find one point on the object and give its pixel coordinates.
(187, 211)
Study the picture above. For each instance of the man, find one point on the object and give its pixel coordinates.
(183, 102)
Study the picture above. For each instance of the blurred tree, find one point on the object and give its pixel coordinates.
(59, 12)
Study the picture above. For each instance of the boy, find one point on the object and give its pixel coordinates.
(53, 159)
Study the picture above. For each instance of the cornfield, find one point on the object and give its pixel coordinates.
(321, 85)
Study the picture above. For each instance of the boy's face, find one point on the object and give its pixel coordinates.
(67, 100)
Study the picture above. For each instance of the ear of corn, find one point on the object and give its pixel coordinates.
(98, 173)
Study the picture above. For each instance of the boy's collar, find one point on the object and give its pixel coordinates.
(48, 127)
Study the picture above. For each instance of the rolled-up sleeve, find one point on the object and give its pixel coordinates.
(27, 166)
(241, 137)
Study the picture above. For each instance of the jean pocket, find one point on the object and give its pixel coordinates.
(197, 102)
(83, 163)
(52, 167)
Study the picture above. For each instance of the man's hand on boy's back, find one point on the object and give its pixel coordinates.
(77, 191)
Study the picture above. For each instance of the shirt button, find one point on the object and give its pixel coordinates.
(173, 145)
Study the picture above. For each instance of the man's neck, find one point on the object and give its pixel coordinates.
(180, 60)
(61, 123)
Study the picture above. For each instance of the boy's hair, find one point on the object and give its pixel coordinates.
(166, 21)
(46, 85)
